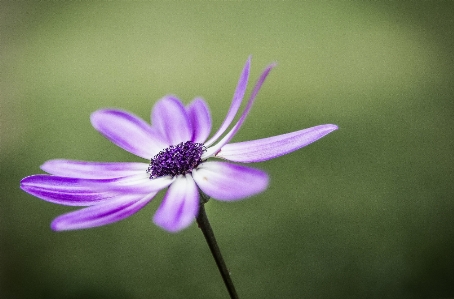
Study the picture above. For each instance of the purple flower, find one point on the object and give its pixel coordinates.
(178, 150)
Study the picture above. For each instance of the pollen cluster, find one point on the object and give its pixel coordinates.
(176, 159)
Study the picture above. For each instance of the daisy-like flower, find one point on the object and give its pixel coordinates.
(177, 147)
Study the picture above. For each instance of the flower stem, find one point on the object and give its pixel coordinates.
(204, 225)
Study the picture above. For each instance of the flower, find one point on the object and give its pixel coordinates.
(178, 150)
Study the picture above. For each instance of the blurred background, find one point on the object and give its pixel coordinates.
(366, 212)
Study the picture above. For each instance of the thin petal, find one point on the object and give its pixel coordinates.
(65, 191)
(101, 214)
(92, 170)
(225, 181)
(170, 119)
(179, 206)
(128, 131)
(272, 147)
(236, 102)
(199, 116)
(216, 148)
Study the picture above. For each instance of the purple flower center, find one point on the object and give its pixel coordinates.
(176, 159)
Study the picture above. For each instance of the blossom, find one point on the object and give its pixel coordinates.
(177, 147)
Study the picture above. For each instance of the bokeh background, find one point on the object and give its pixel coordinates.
(366, 212)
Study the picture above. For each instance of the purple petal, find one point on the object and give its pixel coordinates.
(225, 181)
(87, 192)
(92, 170)
(179, 206)
(214, 149)
(272, 147)
(199, 116)
(65, 191)
(170, 119)
(101, 214)
(128, 131)
(236, 102)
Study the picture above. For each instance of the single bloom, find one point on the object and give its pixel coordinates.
(177, 149)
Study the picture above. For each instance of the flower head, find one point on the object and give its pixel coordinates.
(177, 149)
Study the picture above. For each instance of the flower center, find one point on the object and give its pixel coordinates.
(176, 159)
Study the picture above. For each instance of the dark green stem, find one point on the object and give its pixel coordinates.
(204, 225)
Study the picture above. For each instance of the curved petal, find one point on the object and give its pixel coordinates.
(101, 214)
(216, 148)
(87, 192)
(170, 119)
(200, 118)
(128, 131)
(65, 191)
(225, 181)
(179, 206)
(236, 102)
(272, 147)
(92, 170)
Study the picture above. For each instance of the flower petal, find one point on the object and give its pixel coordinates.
(199, 116)
(179, 206)
(272, 147)
(105, 176)
(92, 170)
(225, 181)
(236, 102)
(101, 214)
(65, 191)
(170, 119)
(216, 148)
(128, 131)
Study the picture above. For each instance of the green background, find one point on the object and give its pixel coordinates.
(366, 212)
